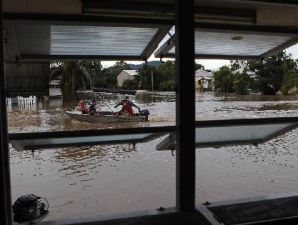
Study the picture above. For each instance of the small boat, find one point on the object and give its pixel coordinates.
(108, 117)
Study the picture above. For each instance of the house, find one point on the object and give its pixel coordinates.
(126, 75)
(204, 80)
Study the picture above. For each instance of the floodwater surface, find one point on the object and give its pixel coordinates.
(97, 180)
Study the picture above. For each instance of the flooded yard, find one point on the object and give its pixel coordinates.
(96, 180)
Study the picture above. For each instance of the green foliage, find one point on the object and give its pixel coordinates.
(167, 70)
(272, 70)
(199, 66)
(145, 73)
(290, 81)
(131, 84)
(168, 85)
(223, 80)
(108, 76)
(163, 77)
(242, 83)
(94, 67)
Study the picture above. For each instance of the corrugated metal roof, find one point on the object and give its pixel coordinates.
(82, 40)
(234, 44)
(203, 73)
(131, 72)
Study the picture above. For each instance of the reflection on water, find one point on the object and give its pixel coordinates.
(94, 180)
(85, 161)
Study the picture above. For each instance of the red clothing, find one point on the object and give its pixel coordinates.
(83, 108)
(126, 107)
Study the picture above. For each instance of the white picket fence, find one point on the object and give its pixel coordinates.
(22, 102)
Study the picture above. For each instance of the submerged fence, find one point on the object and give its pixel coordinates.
(21, 102)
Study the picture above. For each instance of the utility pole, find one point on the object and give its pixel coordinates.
(152, 80)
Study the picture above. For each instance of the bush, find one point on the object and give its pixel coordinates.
(130, 84)
(168, 85)
(290, 81)
(242, 83)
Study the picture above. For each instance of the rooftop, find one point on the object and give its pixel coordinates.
(131, 72)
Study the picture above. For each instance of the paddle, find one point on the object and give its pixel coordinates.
(105, 103)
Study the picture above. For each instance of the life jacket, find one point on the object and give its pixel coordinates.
(126, 107)
(83, 108)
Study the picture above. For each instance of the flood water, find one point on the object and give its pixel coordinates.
(97, 180)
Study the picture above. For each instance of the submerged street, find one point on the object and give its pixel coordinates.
(97, 180)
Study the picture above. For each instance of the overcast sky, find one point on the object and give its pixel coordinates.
(208, 64)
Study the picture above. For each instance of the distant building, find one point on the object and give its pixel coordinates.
(204, 80)
(126, 75)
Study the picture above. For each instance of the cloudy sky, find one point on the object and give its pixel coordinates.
(210, 64)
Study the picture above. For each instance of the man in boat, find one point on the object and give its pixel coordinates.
(92, 107)
(83, 108)
(127, 107)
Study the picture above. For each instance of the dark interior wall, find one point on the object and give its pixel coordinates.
(27, 79)
(23, 79)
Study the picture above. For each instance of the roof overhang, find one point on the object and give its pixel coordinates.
(132, 30)
(230, 41)
(66, 37)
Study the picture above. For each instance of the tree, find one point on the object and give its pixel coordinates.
(223, 80)
(167, 73)
(239, 65)
(94, 68)
(271, 71)
(147, 74)
(74, 76)
(198, 66)
(242, 83)
(290, 82)
(168, 85)
(167, 70)
(109, 75)
(131, 84)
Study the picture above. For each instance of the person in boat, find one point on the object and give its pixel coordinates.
(127, 107)
(83, 108)
(92, 107)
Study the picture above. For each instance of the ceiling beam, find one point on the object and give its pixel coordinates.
(153, 44)
(165, 11)
(270, 2)
(45, 58)
(165, 48)
(249, 29)
(210, 56)
(280, 47)
(86, 20)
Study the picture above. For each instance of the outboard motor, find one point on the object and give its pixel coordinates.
(29, 208)
(145, 112)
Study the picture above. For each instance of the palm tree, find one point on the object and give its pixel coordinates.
(74, 76)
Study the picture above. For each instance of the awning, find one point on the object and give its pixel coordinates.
(50, 40)
(234, 41)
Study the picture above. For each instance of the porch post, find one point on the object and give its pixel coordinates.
(185, 106)
(5, 198)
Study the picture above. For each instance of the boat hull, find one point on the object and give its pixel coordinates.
(105, 117)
